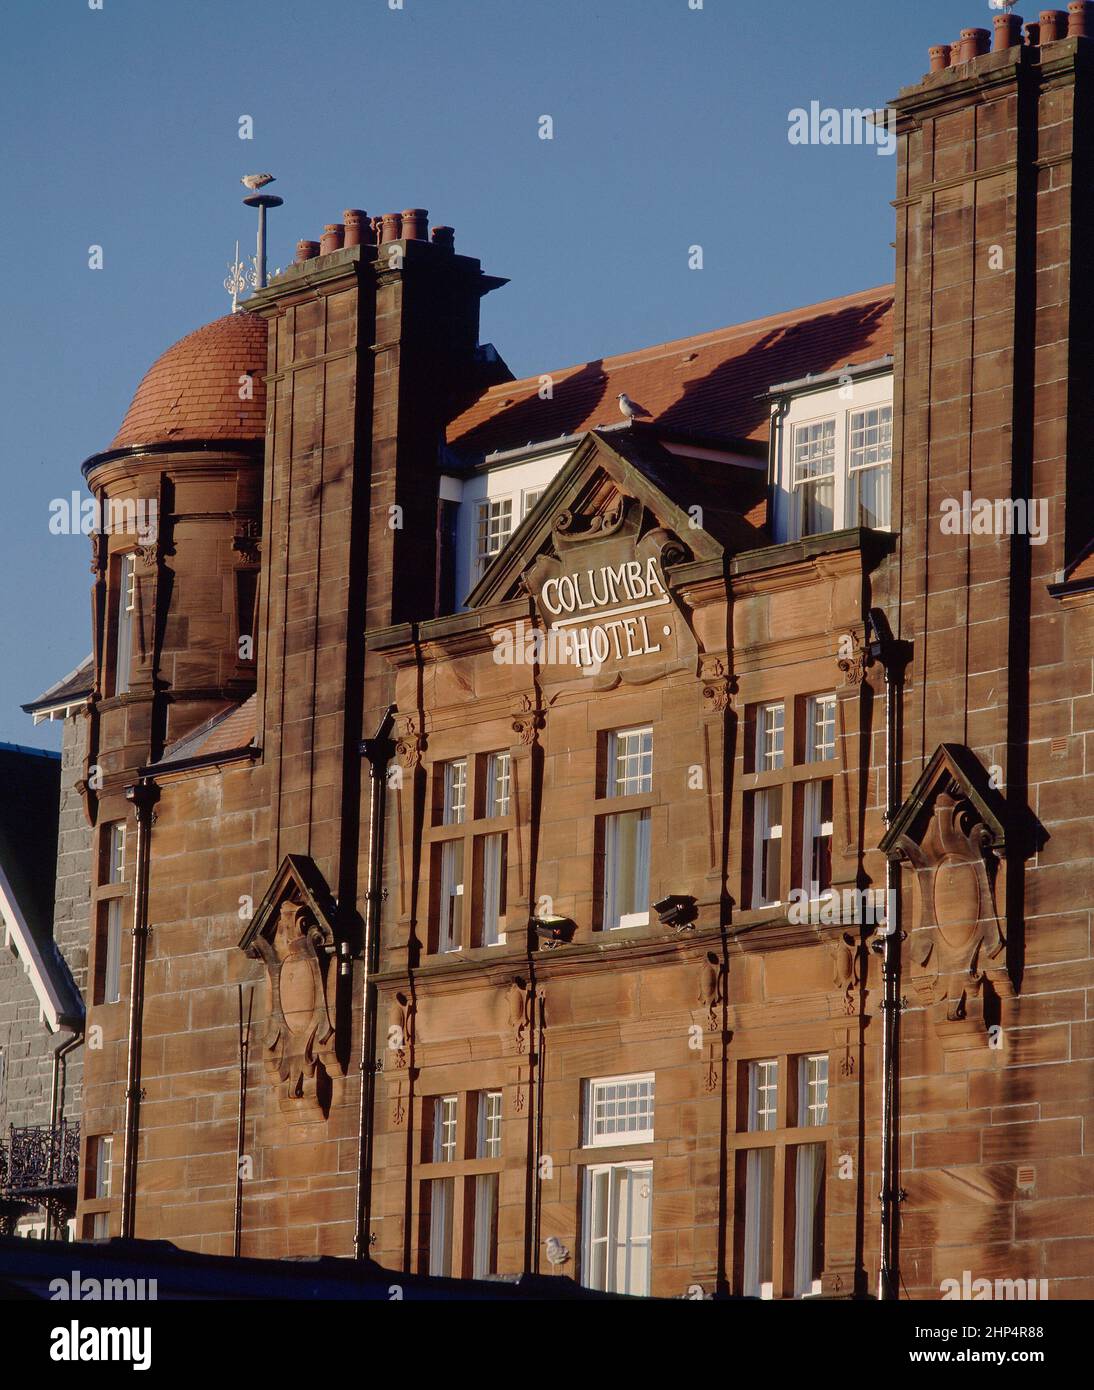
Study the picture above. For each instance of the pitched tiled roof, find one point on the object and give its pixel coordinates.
(68, 690)
(707, 385)
(192, 391)
(227, 732)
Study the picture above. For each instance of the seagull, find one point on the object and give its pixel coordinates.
(256, 181)
(628, 408)
(557, 1253)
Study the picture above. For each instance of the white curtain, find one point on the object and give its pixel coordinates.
(808, 1217)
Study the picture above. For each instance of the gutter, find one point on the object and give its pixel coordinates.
(379, 750)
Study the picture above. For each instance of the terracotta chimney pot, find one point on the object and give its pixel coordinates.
(355, 221)
(1053, 25)
(332, 239)
(391, 228)
(974, 44)
(1080, 22)
(306, 251)
(416, 224)
(940, 57)
(1008, 31)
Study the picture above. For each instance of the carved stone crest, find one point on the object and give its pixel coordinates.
(951, 833)
(292, 934)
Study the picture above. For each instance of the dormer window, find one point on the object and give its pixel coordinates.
(833, 457)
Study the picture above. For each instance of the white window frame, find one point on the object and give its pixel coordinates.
(115, 864)
(493, 527)
(529, 497)
(499, 784)
(812, 1081)
(810, 1162)
(446, 1111)
(484, 1240)
(630, 761)
(453, 872)
(494, 862)
(766, 832)
(882, 465)
(488, 1140)
(615, 890)
(103, 1159)
(442, 1201)
(594, 1088)
(771, 736)
(802, 477)
(820, 711)
(113, 936)
(621, 1181)
(813, 831)
(454, 806)
(763, 1095)
(123, 628)
(759, 1223)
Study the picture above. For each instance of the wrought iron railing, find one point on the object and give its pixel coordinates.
(40, 1159)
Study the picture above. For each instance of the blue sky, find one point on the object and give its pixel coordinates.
(670, 130)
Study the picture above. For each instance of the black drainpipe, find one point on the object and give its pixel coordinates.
(894, 657)
(379, 750)
(241, 1116)
(144, 796)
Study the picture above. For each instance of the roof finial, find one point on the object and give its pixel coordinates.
(236, 282)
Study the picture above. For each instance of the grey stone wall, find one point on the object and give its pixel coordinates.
(24, 1038)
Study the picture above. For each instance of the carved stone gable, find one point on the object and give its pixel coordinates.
(950, 831)
(292, 933)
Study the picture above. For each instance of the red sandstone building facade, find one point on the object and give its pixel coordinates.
(632, 851)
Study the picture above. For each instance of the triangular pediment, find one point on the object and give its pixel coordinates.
(618, 488)
(955, 773)
(298, 881)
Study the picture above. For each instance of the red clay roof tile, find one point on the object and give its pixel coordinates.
(707, 385)
(192, 391)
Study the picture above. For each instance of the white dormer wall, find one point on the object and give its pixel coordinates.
(848, 408)
(518, 483)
